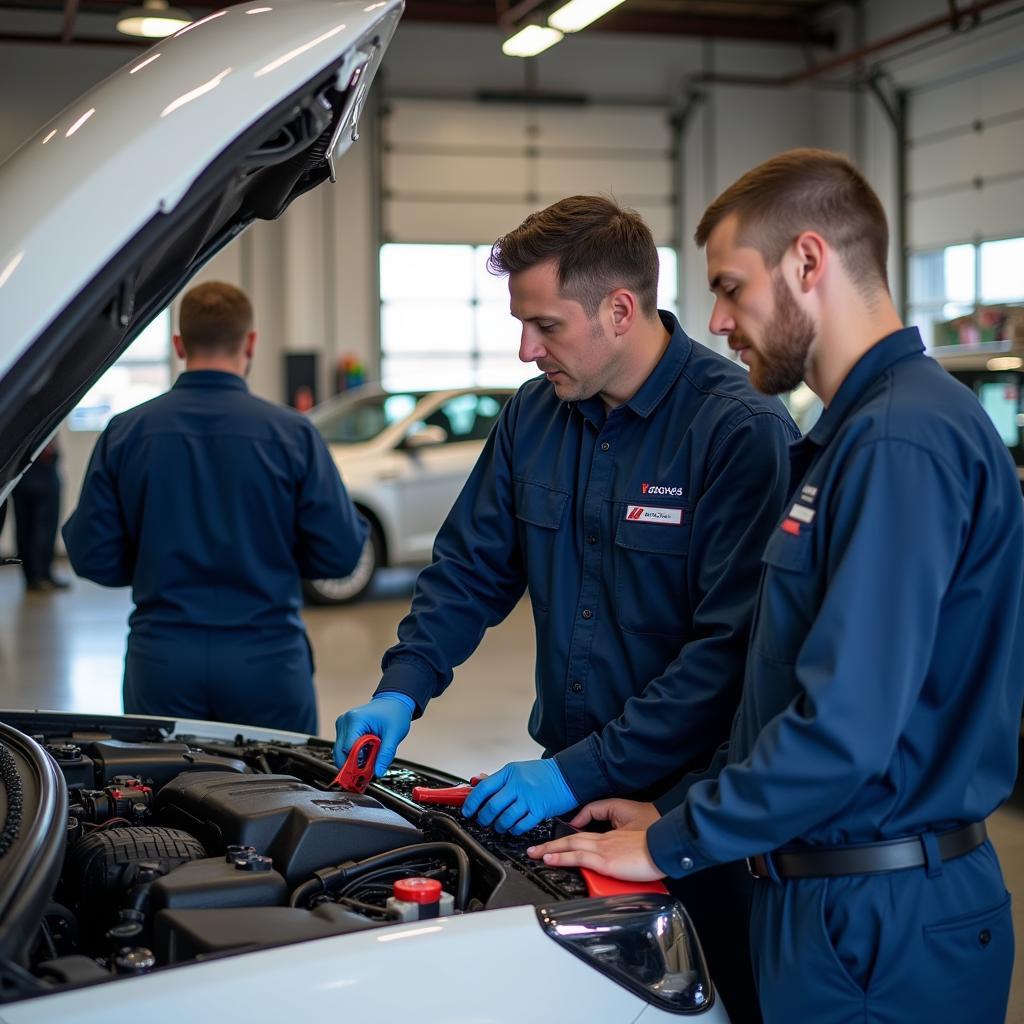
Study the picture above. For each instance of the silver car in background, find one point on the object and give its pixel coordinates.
(404, 456)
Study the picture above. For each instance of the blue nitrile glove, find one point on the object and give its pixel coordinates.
(520, 796)
(388, 715)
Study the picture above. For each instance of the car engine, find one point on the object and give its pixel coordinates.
(179, 848)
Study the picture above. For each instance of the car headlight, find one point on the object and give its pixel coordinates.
(645, 943)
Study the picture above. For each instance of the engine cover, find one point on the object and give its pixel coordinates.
(301, 828)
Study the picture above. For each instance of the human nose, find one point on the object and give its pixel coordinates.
(530, 347)
(721, 322)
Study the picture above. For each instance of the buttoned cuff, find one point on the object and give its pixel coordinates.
(672, 848)
(411, 678)
(582, 770)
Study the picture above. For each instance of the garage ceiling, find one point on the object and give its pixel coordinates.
(779, 21)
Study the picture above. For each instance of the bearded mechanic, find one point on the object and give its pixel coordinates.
(882, 699)
(630, 490)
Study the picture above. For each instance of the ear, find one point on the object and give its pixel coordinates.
(179, 347)
(624, 310)
(811, 253)
(250, 344)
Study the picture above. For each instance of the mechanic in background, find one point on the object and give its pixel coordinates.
(630, 490)
(882, 700)
(36, 518)
(212, 503)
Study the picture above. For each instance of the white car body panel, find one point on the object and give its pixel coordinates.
(475, 967)
(91, 178)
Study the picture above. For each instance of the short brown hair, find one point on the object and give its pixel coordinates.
(807, 190)
(596, 244)
(214, 319)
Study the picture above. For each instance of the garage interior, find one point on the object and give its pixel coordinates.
(662, 103)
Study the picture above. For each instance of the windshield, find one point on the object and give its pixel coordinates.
(359, 420)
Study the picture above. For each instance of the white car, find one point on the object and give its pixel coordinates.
(404, 456)
(212, 872)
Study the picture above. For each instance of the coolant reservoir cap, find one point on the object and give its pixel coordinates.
(418, 890)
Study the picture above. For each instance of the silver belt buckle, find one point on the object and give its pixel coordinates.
(755, 866)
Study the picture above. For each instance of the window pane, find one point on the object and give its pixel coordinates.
(503, 371)
(426, 327)
(154, 343)
(426, 272)
(668, 281)
(120, 388)
(496, 329)
(943, 275)
(1002, 271)
(426, 372)
(489, 288)
(959, 267)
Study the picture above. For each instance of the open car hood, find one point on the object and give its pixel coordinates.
(108, 211)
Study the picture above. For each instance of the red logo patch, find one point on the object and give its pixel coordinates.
(636, 513)
(791, 526)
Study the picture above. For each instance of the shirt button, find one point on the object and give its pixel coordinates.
(587, 613)
(576, 686)
(591, 539)
(605, 446)
(686, 863)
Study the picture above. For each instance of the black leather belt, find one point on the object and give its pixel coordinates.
(865, 858)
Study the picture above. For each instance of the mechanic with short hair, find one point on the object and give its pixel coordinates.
(630, 490)
(212, 503)
(882, 701)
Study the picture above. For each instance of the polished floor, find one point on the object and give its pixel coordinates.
(63, 651)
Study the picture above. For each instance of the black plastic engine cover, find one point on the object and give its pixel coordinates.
(182, 935)
(301, 828)
(155, 763)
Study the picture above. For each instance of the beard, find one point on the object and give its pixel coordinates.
(781, 361)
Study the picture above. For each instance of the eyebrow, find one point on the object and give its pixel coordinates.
(716, 282)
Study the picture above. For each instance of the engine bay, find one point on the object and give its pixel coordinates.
(180, 848)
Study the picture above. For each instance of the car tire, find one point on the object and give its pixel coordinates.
(346, 589)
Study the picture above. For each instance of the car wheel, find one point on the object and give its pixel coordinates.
(351, 587)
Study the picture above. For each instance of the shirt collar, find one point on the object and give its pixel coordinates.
(879, 358)
(658, 383)
(211, 379)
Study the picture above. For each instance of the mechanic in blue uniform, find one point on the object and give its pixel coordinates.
(212, 503)
(882, 701)
(630, 490)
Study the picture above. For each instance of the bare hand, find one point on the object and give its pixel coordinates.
(620, 854)
(625, 814)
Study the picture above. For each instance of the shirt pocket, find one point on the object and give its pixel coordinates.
(650, 563)
(540, 511)
(785, 609)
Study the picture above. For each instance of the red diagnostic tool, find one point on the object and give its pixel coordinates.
(453, 797)
(602, 885)
(357, 771)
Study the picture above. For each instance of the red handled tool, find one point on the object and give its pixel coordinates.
(357, 771)
(453, 797)
(603, 885)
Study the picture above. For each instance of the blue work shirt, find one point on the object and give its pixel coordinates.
(638, 533)
(886, 675)
(212, 503)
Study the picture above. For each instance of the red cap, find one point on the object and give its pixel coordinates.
(418, 890)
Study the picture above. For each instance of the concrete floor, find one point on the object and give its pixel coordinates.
(64, 651)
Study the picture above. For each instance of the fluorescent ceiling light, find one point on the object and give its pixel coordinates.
(530, 41)
(153, 20)
(577, 14)
(1006, 363)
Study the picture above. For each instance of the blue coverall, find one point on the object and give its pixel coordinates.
(212, 503)
(642, 618)
(882, 700)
